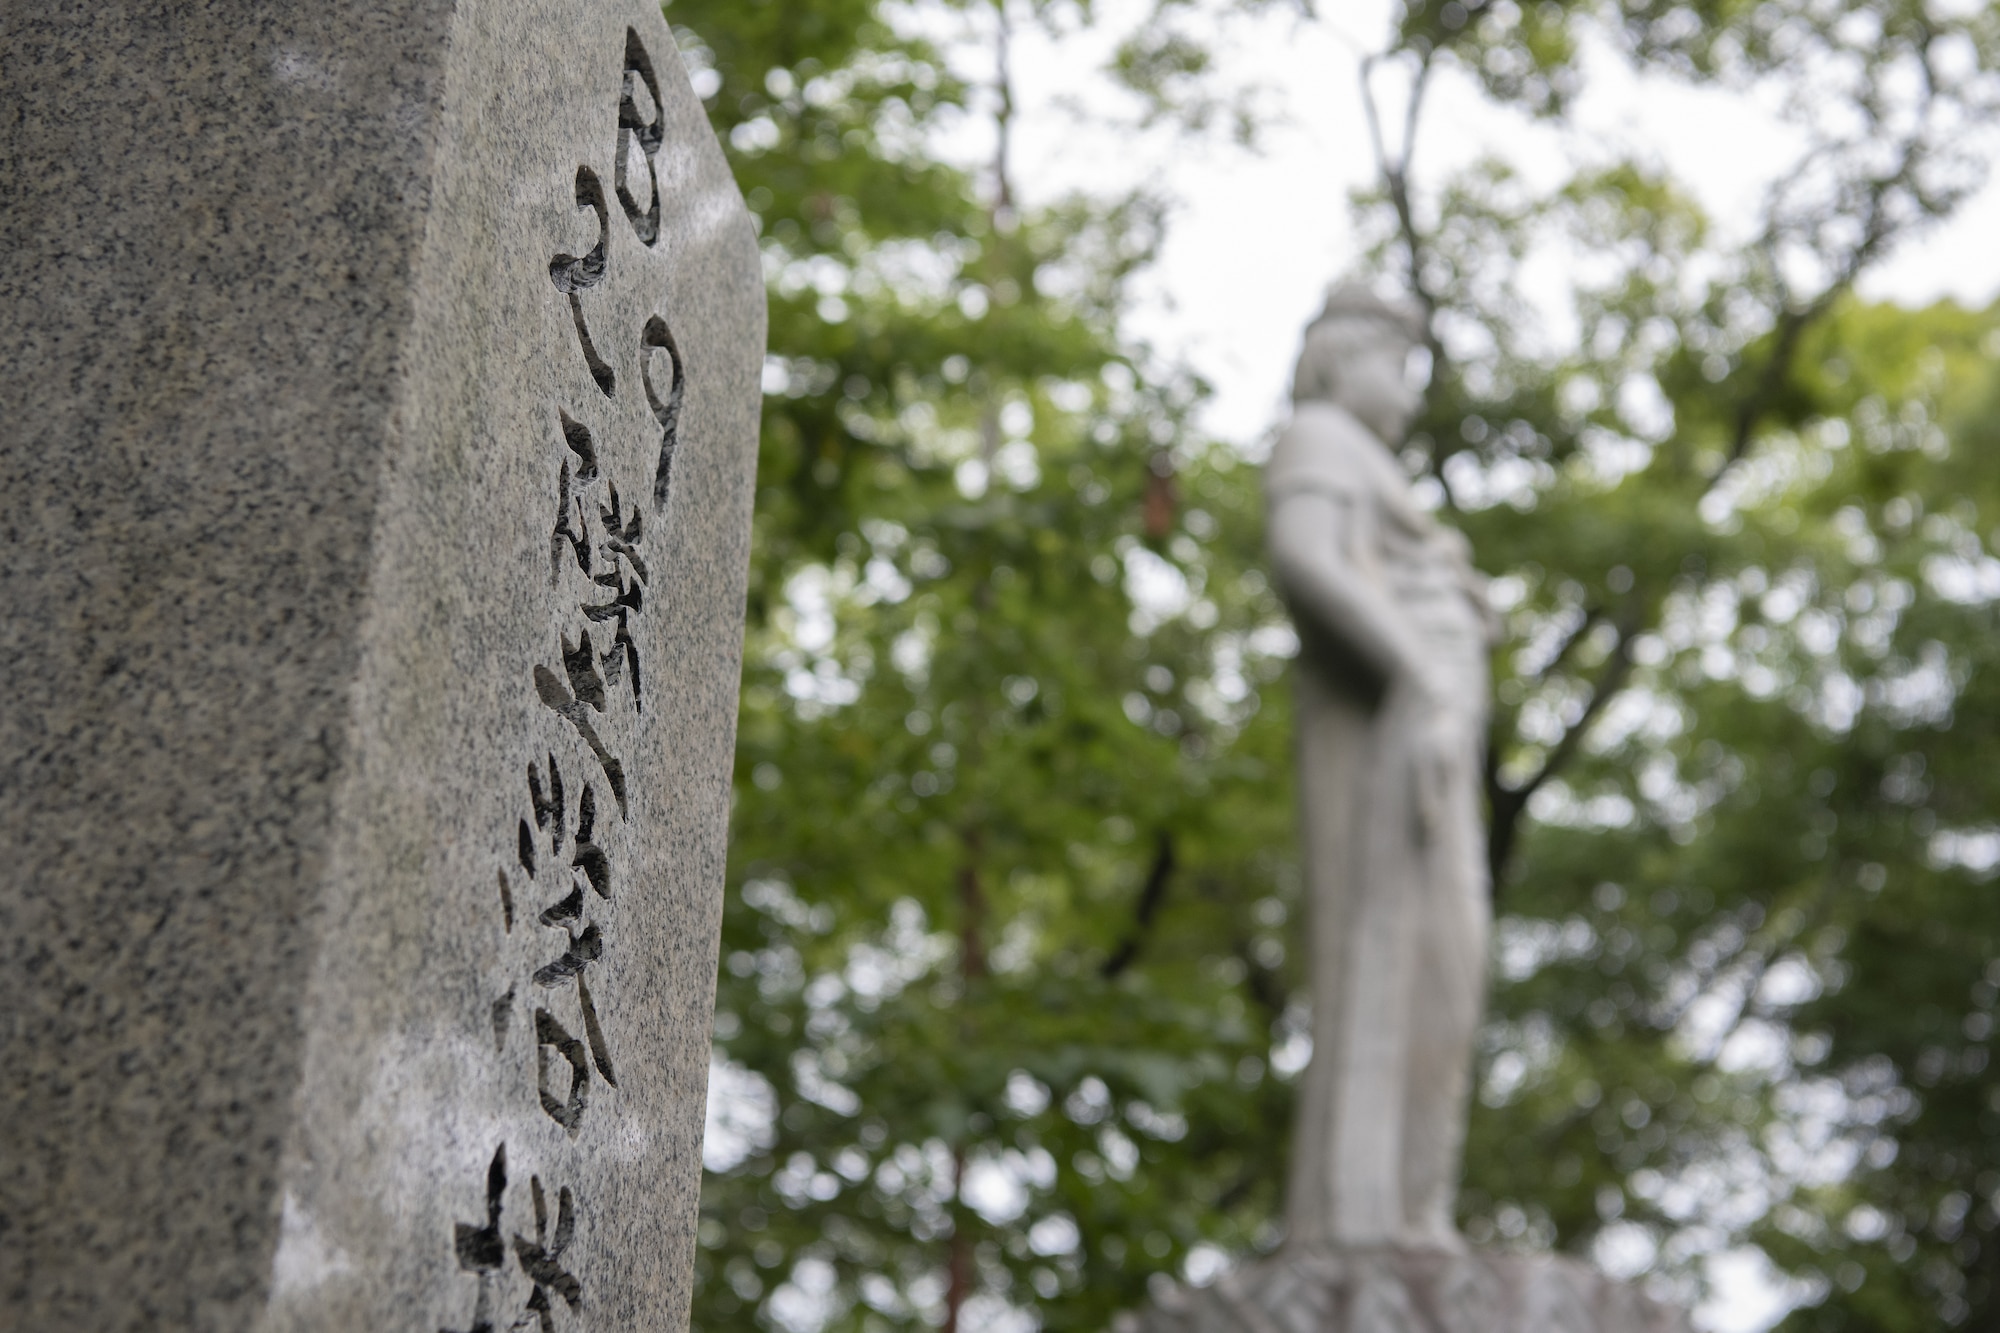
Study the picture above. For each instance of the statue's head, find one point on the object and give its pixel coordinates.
(1357, 356)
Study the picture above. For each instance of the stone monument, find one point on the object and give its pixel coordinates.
(1391, 694)
(377, 431)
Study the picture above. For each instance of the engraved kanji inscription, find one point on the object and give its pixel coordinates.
(640, 129)
(554, 1048)
(575, 275)
(541, 1258)
(583, 939)
(481, 1251)
(657, 338)
(561, 871)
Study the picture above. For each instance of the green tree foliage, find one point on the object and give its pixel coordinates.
(1007, 997)
(1747, 960)
(1010, 853)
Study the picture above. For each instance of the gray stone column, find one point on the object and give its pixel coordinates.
(378, 403)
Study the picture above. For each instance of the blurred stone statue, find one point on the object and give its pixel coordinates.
(1391, 695)
(1391, 690)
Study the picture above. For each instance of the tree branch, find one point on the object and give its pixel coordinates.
(1262, 982)
(1592, 618)
(1395, 175)
(1878, 229)
(1510, 803)
(1151, 896)
(958, 1250)
(971, 914)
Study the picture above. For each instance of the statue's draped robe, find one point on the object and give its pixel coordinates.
(1395, 857)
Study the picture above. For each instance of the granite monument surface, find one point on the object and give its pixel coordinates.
(1391, 694)
(378, 414)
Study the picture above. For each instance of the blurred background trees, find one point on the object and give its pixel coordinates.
(1008, 1013)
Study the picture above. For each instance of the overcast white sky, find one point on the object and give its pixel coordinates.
(1258, 235)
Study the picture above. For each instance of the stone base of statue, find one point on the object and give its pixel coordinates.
(1326, 1290)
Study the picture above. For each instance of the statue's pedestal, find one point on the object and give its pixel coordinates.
(1324, 1290)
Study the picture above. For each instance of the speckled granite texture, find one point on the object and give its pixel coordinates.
(1312, 1290)
(370, 674)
